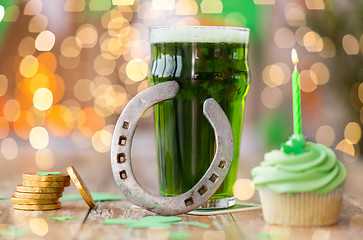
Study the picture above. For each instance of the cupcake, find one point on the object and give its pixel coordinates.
(301, 184)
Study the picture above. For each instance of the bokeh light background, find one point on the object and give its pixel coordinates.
(68, 68)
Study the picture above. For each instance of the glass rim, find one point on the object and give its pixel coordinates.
(212, 34)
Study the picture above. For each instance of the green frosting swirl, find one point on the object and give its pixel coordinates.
(315, 170)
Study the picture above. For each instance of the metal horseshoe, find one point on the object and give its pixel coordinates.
(121, 154)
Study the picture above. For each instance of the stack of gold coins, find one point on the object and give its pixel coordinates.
(40, 191)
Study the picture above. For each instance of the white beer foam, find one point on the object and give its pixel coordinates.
(199, 34)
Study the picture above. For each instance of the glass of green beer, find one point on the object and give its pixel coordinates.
(206, 62)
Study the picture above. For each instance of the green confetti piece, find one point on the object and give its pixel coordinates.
(270, 235)
(13, 232)
(47, 173)
(148, 224)
(180, 235)
(97, 196)
(161, 219)
(118, 221)
(3, 198)
(62, 219)
(197, 224)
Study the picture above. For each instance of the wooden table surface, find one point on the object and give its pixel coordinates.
(96, 172)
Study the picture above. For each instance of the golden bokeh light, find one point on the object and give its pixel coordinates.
(325, 135)
(4, 128)
(313, 42)
(163, 5)
(214, 235)
(87, 35)
(118, 25)
(271, 97)
(38, 23)
(45, 41)
(11, 14)
(71, 47)
(44, 158)
(107, 16)
(284, 38)
(346, 147)
(243, 189)
(40, 80)
(356, 222)
(101, 141)
(60, 121)
(295, 15)
(315, 4)
(137, 70)
(39, 226)
(329, 49)
(83, 89)
(276, 74)
(56, 86)
(186, 7)
(350, 44)
(308, 81)
(33, 7)
(24, 124)
(211, 6)
(28, 66)
(43, 99)
(90, 121)
(38, 138)
(11, 110)
(2, 12)
(9, 148)
(353, 132)
(74, 5)
(104, 66)
(300, 33)
(321, 234)
(47, 62)
(123, 2)
(26, 47)
(3, 84)
(321, 72)
(360, 92)
(111, 48)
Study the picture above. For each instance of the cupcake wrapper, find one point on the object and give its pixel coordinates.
(301, 209)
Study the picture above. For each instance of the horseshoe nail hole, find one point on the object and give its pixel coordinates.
(213, 178)
(126, 125)
(202, 190)
(123, 174)
(122, 140)
(222, 164)
(189, 201)
(121, 158)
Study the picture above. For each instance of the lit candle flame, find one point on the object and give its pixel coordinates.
(294, 57)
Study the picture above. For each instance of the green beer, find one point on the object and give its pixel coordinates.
(206, 62)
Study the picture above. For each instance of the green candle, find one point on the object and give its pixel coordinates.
(296, 103)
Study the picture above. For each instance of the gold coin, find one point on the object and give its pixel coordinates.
(77, 180)
(22, 201)
(52, 206)
(45, 184)
(46, 178)
(38, 195)
(25, 189)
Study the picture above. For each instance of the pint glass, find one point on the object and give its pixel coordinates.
(206, 62)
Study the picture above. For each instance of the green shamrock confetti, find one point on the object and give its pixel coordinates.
(161, 219)
(3, 198)
(12, 232)
(197, 224)
(47, 173)
(62, 219)
(118, 221)
(294, 145)
(180, 235)
(266, 235)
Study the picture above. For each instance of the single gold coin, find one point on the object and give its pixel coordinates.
(77, 180)
(38, 195)
(46, 178)
(45, 184)
(25, 189)
(22, 201)
(43, 207)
